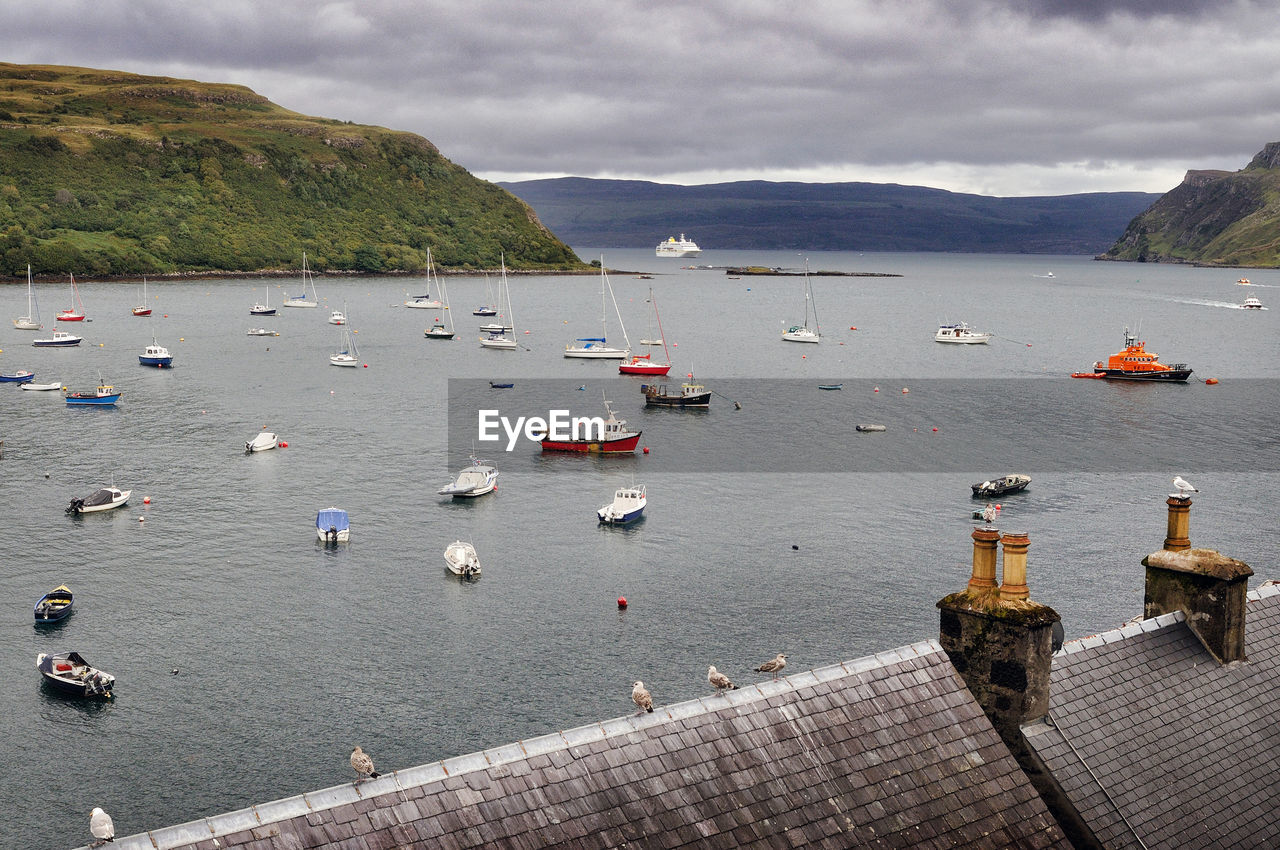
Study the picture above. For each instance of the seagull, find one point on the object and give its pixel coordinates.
(1183, 485)
(718, 680)
(362, 764)
(988, 513)
(101, 826)
(773, 665)
(641, 697)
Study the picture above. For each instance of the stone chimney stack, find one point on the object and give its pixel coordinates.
(1208, 587)
(998, 639)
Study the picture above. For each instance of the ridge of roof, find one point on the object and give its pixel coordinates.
(1128, 630)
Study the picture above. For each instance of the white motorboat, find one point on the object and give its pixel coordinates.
(333, 525)
(307, 280)
(261, 442)
(1252, 303)
(804, 333)
(337, 317)
(461, 559)
(103, 499)
(678, 247)
(52, 385)
(260, 332)
(497, 331)
(961, 333)
(31, 321)
(263, 309)
(60, 339)
(627, 506)
(475, 480)
(597, 347)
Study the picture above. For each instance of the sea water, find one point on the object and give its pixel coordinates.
(250, 658)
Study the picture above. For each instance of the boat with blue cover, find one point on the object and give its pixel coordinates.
(54, 605)
(333, 526)
(71, 674)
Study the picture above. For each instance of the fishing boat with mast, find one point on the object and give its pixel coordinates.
(31, 321)
(74, 313)
(1135, 363)
(438, 329)
(263, 309)
(644, 364)
(612, 438)
(597, 347)
(803, 333)
(142, 309)
(307, 280)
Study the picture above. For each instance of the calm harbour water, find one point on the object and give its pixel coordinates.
(290, 653)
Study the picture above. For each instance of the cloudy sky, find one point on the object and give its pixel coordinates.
(1024, 97)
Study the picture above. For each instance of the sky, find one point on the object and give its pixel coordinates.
(1025, 97)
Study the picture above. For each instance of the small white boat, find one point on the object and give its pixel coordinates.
(1252, 303)
(628, 505)
(962, 334)
(347, 353)
(31, 321)
(597, 347)
(260, 332)
(103, 499)
(337, 317)
(476, 480)
(651, 342)
(264, 309)
(52, 385)
(461, 559)
(333, 526)
(261, 442)
(804, 333)
(60, 339)
(307, 280)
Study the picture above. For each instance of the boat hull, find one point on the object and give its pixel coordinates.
(158, 362)
(258, 311)
(93, 400)
(343, 536)
(700, 400)
(49, 387)
(68, 673)
(438, 334)
(300, 302)
(801, 336)
(26, 324)
(424, 305)
(1172, 375)
(644, 368)
(142, 311)
(17, 378)
(343, 360)
(57, 342)
(499, 343)
(622, 445)
(71, 318)
(606, 516)
(54, 607)
(595, 353)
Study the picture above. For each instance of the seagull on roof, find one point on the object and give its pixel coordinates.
(101, 826)
(362, 764)
(773, 665)
(1183, 486)
(641, 697)
(718, 680)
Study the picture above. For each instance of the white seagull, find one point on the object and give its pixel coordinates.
(362, 764)
(101, 826)
(641, 697)
(718, 680)
(773, 665)
(1183, 486)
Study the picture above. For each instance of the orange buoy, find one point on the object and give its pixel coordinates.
(1211, 381)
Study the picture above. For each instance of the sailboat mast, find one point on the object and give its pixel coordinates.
(618, 312)
(661, 333)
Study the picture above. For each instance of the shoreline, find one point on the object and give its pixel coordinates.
(293, 274)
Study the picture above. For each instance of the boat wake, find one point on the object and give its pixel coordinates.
(1201, 302)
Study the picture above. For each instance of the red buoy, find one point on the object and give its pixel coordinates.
(146, 500)
(646, 449)
(622, 602)
(283, 444)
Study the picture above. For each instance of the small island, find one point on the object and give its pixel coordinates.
(781, 272)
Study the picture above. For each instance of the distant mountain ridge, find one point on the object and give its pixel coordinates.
(1213, 218)
(826, 216)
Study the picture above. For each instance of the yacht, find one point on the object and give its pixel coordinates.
(678, 247)
(961, 334)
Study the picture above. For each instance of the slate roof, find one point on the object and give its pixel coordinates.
(1151, 737)
(885, 751)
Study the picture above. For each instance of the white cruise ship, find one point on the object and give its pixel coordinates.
(678, 247)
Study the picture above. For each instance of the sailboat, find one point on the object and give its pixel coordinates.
(488, 308)
(263, 309)
(643, 364)
(438, 330)
(31, 321)
(497, 337)
(597, 348)
(142, 309)
(425, 301)
(803, 333)
(347, 354)
(302, 300)
(76, 312)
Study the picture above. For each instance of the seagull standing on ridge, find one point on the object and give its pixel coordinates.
(101, 826)
(362, 764)
(773, 665)
(1183, 486)
(718, 680)
(641, 697)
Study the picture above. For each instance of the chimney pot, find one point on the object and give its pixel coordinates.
(1014, 585)
(1178, 536)
(983, 579)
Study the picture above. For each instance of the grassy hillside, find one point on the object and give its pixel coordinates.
(106, 173)
(826, 216)
(1218, 218)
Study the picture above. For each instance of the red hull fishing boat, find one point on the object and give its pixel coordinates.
(1135, 363)
(616, 439)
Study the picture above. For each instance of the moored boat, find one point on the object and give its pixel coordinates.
(307, 280)
(830, 386)
(142, 309)
(627, 506)
(102, 499)
(804, 333)
(337, 317)
(597, 347)
(644, 364)
(868, 428)
(60, 339)
(613, 438)
(70, 673)
(347, 353)
(681, 247)
(333, 525)
(263, 309)
(691, 395)
(102, 396)
(156, 355)
(475, 480)
(75, 313)
(1135, 363)
(261, 442)
(962, 334)
(260, 332)
(31, 321)
(52, 385)
(460, 558)
(54, 605)
(1002, 486)
(21, 376)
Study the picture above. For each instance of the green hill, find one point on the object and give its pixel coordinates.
(111, 173)
(1214, 218)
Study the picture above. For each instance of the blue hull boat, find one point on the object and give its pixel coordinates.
(102, 397)
(54, 606)
(19, 377)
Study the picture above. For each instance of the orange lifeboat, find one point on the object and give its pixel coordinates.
(1135, 363)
